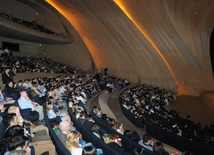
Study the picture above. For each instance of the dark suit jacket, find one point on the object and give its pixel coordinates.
(6, 79)
(20, 88)
(81, 120)
(88, 125)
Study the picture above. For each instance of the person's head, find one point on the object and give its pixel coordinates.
(114, 126)
(49, 106)
(95, 128)
(72, 140)
(23, 94)
(82, 114)
(10, 120)
(7, 70)
(54, 124)
(89, 150)
(147, 139)
(65, 126)
(50, 98)
(138, 151)
(20, 82)
(14, 130)
(18, 143)
(158, 148)
(10, 84)
(127, 133)
(73, 136)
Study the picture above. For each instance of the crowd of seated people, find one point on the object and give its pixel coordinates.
(22, 64)
(153, 104)
(34, 25)
(78, 88)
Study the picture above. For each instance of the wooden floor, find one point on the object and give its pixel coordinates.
(191, 105)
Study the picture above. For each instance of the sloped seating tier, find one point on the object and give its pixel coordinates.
(128, 144)
(131, 117)
(88, 136)
(176, 141)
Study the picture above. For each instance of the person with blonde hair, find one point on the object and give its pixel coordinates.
(72, 143)
(73, 146)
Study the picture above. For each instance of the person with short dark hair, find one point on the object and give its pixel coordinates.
(82, 117)
(89, 150)
(146, 142)
(20, 86)
(10, 120)
(14, 142)
(54, 125)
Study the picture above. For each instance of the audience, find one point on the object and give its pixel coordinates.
(34, 25)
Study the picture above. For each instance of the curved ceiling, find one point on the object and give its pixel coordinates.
(164, 43)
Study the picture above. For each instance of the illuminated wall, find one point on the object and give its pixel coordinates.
(164, 43)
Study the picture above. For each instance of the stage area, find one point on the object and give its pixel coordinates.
(193, 106)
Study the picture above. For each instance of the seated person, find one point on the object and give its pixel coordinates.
(20, 86)
(82, 117)
(73, 145)
(115, 127)
(158, 148)
(59, 105)
(88, 122)
(147, 142)
(24, 103)
(65, 127)
(52, 114)
(4, 99)
(95, 130)
(97, 112)
(15, 142)
(11, 90)
(54, 125)
(10, 120)
(41, 131)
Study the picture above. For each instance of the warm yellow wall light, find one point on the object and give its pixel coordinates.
(145, 33)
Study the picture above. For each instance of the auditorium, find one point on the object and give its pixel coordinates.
(106, 77)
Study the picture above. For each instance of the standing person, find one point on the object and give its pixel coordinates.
(7, 76)
(6, 51)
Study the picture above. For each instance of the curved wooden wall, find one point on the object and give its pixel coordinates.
(160, 42)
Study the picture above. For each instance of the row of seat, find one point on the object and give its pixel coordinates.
(88, 136)
(128, 144)
(139, 122)
(170, 138)
(176, 141)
